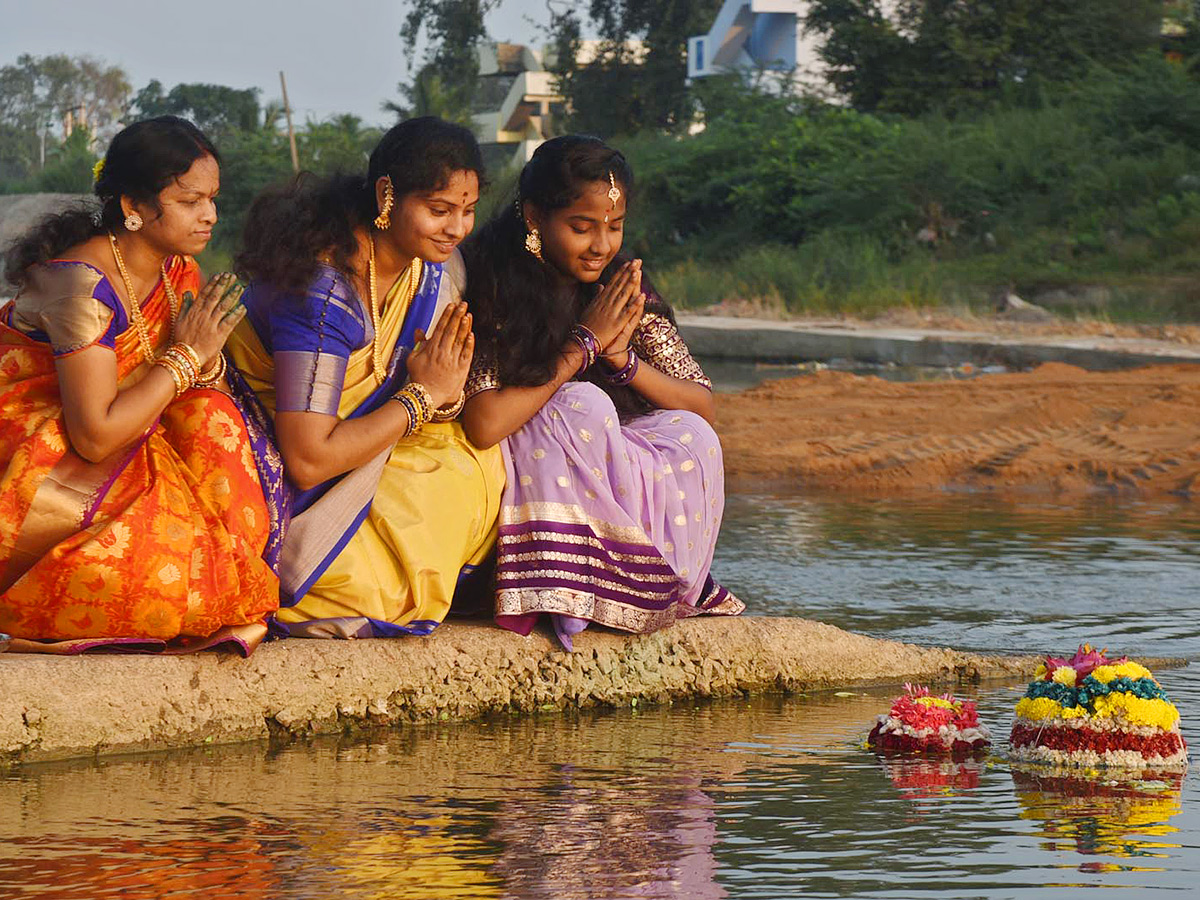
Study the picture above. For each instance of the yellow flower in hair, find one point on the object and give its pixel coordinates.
(98, 170)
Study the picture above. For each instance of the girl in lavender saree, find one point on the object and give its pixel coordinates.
(615, 487)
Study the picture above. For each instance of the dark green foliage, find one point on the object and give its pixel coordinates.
(623, 90)
(1101, 182)
(445, 82)
(961, 55)
(214, 108)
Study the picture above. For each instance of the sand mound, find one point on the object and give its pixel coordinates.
(1058, 429)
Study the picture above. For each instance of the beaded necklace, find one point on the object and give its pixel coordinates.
(135, 309)
(411, 278)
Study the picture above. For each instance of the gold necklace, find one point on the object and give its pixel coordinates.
(135, 309)
(377, 365)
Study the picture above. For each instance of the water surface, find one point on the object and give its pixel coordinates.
(763, 798)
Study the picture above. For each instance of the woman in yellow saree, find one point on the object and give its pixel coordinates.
(132, 508)
(396, 509)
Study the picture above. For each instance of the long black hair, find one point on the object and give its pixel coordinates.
(142, 159)
(523, 311)
(291, 227)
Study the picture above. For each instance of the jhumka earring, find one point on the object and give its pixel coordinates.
(133, 222)
(533, 242)
(383, 221)
(614, 194)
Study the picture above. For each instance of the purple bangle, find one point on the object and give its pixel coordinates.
(588, 343)
(625, 374)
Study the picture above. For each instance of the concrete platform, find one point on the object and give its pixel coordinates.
(58, 708)
(727, 337)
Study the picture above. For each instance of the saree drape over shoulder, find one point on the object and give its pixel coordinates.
(608, 521)
(381, 550)
(170, 538)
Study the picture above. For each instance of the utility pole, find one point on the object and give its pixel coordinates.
(287, 111)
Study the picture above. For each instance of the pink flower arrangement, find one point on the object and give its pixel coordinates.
(919, 722)
(1084, 662)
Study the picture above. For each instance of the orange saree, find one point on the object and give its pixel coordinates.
(162, 541)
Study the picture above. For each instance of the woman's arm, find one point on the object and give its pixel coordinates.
(100, 417)
(491, 416)
(664, 391)
(317, 446)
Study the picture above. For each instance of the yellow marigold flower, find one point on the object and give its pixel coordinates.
(1155, 713)
(936, 701)
(1064, 675)
(1038, 708)
(98, 169)
(1105, 674)
(1040, 671)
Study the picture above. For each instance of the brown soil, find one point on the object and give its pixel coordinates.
(1056, 429)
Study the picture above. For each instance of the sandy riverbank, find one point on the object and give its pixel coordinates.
(1057, 429)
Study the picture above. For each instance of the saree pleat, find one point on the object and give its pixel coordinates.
(164, 540)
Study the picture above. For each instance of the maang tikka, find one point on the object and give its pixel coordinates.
(614, 194)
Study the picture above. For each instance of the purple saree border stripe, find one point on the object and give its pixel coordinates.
(507, 556)
(286, 600)
(550, 584)
(580, 530)
(89, 515)
(277, 490)
(516, 568)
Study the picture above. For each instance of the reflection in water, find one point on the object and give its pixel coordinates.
(767, 798)
(929, 777)
(1093, 817)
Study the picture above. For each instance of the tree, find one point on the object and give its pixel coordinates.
(44, 100)
(445, 83)
(958, 55)
(214, 108)
(641, 59)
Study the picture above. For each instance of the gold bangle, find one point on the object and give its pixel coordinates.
(421, 394)
(213, 376)
(447, 413)
(174, 371)
(186, 367)
(190, 352)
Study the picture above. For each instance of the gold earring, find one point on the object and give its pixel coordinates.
(383, 221)
(133, 222)
(533, 243)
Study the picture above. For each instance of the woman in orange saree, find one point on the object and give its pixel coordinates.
(132, 506)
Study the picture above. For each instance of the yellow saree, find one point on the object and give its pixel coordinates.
(381, 550)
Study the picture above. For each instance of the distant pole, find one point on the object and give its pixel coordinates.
(287, 111)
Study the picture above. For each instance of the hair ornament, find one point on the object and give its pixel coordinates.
(97, 170)
(614, 192)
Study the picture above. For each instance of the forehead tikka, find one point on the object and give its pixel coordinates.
(614, 194)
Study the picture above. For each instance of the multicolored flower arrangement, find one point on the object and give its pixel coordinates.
(919, 722)
(1093, 711)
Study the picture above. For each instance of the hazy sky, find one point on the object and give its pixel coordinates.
(339, 55)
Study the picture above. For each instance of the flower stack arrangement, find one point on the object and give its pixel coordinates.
(919, 722)
(1090, 711)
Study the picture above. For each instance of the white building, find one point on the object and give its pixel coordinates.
(758, 36)
(516, 100)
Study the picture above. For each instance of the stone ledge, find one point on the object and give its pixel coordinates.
(58, 708)
(726, 337)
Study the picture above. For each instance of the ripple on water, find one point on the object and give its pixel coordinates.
(768, 798)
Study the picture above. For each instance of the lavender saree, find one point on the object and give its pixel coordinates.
(608, 521)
